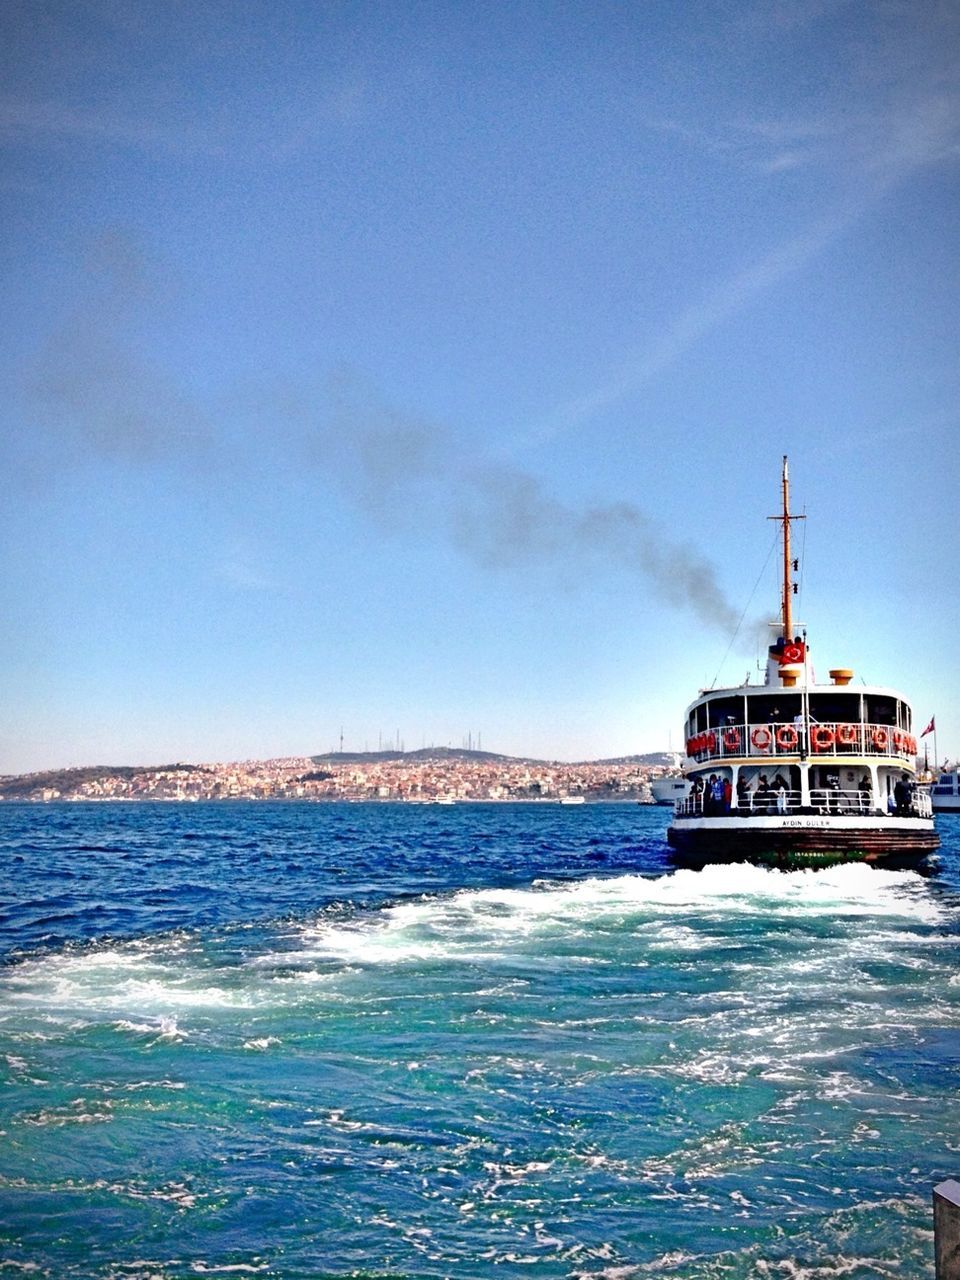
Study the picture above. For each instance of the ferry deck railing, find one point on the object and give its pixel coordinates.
(823, 800)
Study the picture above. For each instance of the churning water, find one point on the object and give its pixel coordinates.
(490, 1041)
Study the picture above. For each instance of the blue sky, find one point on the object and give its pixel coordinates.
(426, 368)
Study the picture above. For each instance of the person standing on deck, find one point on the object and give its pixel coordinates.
(743, 793)
(780, 787)
(716, 794)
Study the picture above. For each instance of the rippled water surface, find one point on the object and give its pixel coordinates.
(482, 1041)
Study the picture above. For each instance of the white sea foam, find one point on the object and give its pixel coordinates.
(163, 1027)
(229, 1268)
(149, 986)
(467, 923)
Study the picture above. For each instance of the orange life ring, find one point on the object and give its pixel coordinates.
(847, 734)
(711, 741)
(880, 739)
(822, 737)
(897, 740)
(761, 738)
(787, 737)
(731, 739)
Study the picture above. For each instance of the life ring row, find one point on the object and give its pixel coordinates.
(787, 738)
(709, 741)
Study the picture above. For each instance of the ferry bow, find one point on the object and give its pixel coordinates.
(797, 773)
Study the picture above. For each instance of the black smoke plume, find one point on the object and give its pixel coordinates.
(411, 475)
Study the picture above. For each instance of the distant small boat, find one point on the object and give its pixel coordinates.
(945, 792)
(573, 799)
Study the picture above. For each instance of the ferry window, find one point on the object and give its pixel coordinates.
(881, 710)
(835, 707)
(773, 708)
(724, 711)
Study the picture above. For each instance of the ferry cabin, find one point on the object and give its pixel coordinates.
(785, 748)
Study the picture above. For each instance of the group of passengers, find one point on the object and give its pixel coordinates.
(769, 797)
(714, 795)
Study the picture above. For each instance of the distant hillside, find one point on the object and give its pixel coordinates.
(423, 753)
(662, 758)
(28, 786)
(282, 777)
(665, 758)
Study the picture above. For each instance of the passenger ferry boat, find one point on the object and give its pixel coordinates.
(796, 773)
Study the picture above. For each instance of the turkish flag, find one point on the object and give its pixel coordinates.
(930, 727)
(792, 653)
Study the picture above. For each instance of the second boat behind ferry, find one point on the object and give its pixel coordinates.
(796, 773)
(669, 788)
(945, 792)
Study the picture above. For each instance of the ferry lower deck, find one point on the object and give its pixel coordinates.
(803, 839)
(791, 810)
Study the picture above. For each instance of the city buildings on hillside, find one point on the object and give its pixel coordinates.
(399, 778)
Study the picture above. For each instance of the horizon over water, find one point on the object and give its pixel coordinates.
(307, 1041)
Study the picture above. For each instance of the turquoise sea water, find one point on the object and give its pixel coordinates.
(488, 1041)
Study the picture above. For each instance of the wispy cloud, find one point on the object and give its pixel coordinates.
(756, 145)
(240, 565)
(29, 119)
(726, 299)
(893, 113)
(296, 123)
(866, 155)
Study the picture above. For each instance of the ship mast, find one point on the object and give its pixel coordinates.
(786, 608)
(787, 621)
